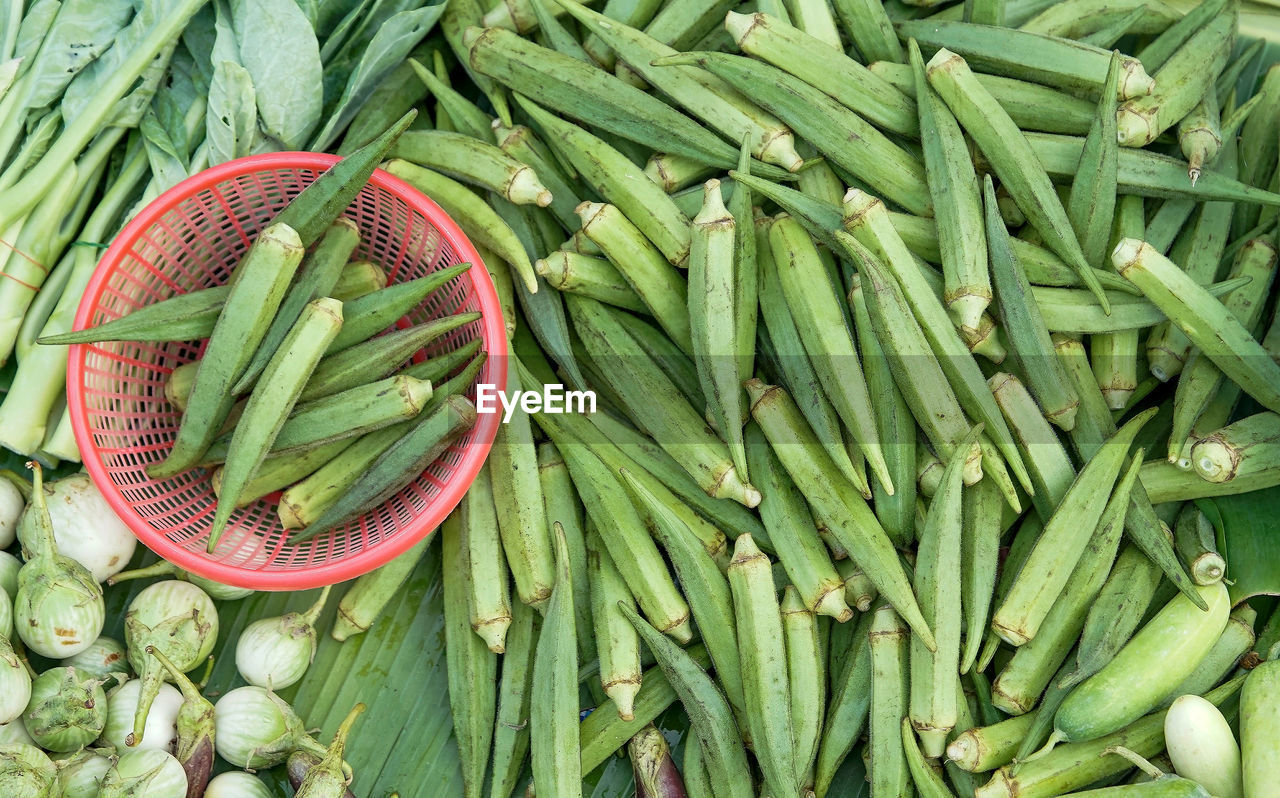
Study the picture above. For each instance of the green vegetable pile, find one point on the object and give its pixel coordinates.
(932, 343)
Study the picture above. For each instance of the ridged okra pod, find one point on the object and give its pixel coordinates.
(511, 729)
(562, 506)
(868, 221)
(957, 205)
(858, 88)
(657, 404)
(894, 425)
(1243, 448)
(262, 279)
(553, 706)
(472, 667)
(597, 278)
(712, 318)
(719, 106)
(1022, 681)
(934, 675)
(1035, 57)
(792, 533)
(985, 748)
(619, 181)
(709, 715)
(1048, 461)
(889, 696)
(807, 682)
(1200, 134)
(368, 595)
(521, 515)
(833, 500)
(628, 541)
(815, 309)
(826, 124)
(763, 654)
(1193, 539)
(705, 588)
(1181, 82)
(1065, 536)
(283, 379)
(1024, 326)
(489, 597)
(847, 710)
(617, 644)
(474, 161)
(980, 559)
(1205, 320)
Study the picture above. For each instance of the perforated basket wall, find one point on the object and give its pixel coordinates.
(191, 237)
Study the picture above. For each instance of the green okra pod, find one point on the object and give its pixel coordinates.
(763, 655)
(284, 377)
(712, 304)
(593, 277)
(472, 667)
(367, 315)
(465, 115)
(261, 282)
(1050, 464)
(793, 535)
(934, 675)
(833, 501)
(1243, 448)
(489, 598)
(815, 309)
(928, 782)
(1183, 80)
(1065, 536)
(1205, 320)
(1200, 134)
(980, 559)
(867, 219)
(869, 27)
(781, 339)
(562, 505)
(709, 714)
(619, 181)
(1024, 326)
(511, 728)
(915, 368)
(745, 273)
(704, 586)
(182, 317)
(318, 276)
(793, 50)
(889, 695)
(618, 645)
(847, 710)
(957, 204)
(675, 425)
(368, 595)
(859, 591)
(1035, 57)
(894, 425)
(403, 461)
(1193, 539)
(628, 541)
(985, 748)
(473, 161)
(654, 280)
(807, 681)
(473, 214)
(553, 706)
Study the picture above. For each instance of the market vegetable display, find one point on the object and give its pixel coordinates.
(922, 338)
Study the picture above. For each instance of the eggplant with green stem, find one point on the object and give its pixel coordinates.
(58, 609)
(180, 620)
(67, 710)
(155, 774)
(195, 746)
(255, 728)
(276, 652)
(327, 779)
(26, 771)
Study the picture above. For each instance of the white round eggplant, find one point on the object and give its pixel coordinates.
(6, 614)
(255, 728)
(276, 652)
(237, 784)
(85, 527)
(162, 719)
(15, 684)
(103, 659)
(80, 775)
(9, 567)
(145, 774)
(27, 772)
(15, 732)
(11, 504)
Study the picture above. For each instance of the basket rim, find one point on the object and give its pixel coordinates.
(473, 456)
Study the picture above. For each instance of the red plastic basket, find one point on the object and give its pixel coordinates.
(191, 237)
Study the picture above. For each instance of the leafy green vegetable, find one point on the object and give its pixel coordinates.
(278, 47)
(1249, 540)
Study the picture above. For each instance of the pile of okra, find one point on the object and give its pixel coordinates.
(296, 389)
(914, 333)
